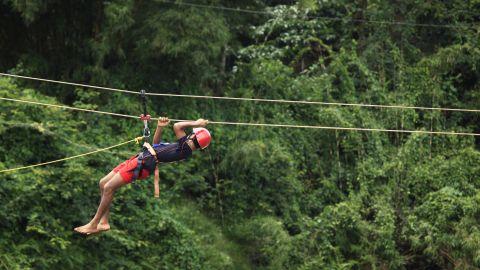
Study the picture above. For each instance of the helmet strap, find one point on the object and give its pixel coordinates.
(195, 141)
(197, 145)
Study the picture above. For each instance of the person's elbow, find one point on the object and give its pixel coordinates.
(177, 127)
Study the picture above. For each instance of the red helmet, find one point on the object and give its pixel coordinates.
(203, 137)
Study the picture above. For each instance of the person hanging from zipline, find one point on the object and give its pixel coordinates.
(144, 163)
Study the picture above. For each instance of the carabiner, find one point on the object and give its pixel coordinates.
(145, 117)
(146, 130)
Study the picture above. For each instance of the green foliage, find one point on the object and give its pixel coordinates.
(258, 198)
(265, 241)
(443, 229)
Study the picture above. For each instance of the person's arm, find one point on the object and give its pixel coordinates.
(180, 127)
(162, 122)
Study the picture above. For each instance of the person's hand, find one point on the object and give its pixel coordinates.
(163, 121)
(202, 122)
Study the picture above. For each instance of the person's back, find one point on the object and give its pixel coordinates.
(170, 152)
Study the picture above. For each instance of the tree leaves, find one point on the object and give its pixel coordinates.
(258, 198)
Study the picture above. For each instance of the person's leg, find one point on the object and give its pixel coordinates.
(107, 195)
(103, 225)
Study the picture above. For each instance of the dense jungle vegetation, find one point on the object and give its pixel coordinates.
(259, 197)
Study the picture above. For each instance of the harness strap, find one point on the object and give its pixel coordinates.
(139, 167)
(156, 185)
(156, 178)
(151, 150)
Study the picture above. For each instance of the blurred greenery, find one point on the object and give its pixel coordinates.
(257, 198)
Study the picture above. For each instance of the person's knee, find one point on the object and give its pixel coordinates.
(102, 182)
(112, 185)
(105, 180)
(108, 188)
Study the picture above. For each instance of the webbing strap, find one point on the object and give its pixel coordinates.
(151, 150)
(156, 182)
(139, 167)
(156, 178)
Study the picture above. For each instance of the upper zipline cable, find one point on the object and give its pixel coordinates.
(68, 83)
(258, 124)
(269, 13)
(247, 99)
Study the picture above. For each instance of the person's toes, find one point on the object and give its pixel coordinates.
(79, 229)
(92, 232)
(85, 229)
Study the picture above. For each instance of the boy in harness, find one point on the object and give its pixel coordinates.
(143, 164)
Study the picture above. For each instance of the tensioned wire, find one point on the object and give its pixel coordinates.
(245, 99)
(44, 130)
(67, 158)
(256, 124)
(264, 12)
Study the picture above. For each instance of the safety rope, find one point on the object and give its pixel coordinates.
(250, 99)
(72, 157)
(44, 130)
(259, 124)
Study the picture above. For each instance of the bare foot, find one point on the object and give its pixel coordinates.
(103, 227)
(87, 229)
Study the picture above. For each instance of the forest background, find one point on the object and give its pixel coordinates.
(258, 198)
